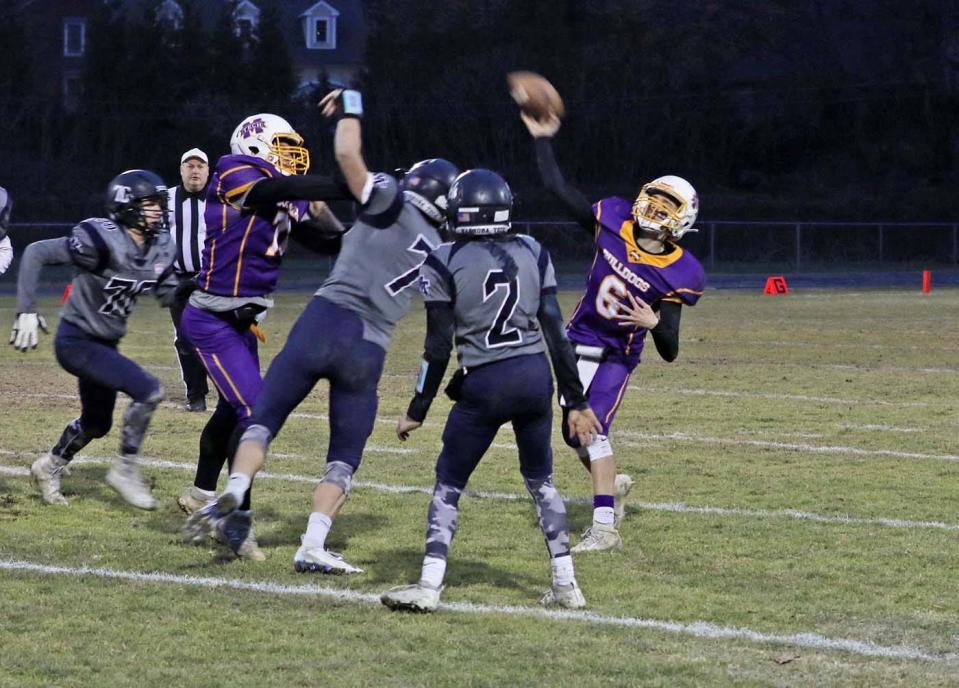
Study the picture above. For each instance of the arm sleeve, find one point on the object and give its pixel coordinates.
(38, 254)
(6, 254)
(309, 187)
(572, 200)
(560, 352)
(316, 240)
(321, 234)
(440, 326)
(666, 333)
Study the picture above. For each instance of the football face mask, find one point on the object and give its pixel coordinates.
(668, 205)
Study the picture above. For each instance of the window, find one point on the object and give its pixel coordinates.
(319, 26)
(170, 15)
(74, 36)
(246, 18)
(321, 30)
(244, 28)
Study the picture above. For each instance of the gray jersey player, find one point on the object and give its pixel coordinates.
(116, 259)
(494, 293)
(343, 333)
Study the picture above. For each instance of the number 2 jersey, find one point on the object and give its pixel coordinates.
(494, 287)
(621, 266)
(111, 272)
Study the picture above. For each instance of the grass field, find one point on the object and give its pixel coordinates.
(794, 524)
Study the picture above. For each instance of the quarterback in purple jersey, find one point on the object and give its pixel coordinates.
(258, 198)
(638, 283)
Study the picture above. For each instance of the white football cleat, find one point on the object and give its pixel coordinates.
(193, 499)
(412, 598)
(124, 477)
(599, 538)
(319, 560)
(621, 487)
(566, 596)
(46, 472)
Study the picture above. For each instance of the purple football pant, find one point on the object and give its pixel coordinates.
(605, 392)
(229, 353)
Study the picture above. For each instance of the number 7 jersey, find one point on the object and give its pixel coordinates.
(620, 267)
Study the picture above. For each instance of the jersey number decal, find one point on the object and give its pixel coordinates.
(499, 334)
(420, 247)
(122, 295)
(611, 291)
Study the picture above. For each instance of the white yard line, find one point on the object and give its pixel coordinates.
(775, 396)
(788, 446)
(877, 427)
(668, 507)
(697, 629)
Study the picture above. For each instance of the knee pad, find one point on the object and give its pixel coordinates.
(136, 420)
(339, 474)
(259, 434)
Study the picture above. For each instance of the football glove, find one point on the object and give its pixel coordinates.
(341, 103)
(24, 334)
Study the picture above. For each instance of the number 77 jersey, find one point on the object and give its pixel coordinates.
(621, 267)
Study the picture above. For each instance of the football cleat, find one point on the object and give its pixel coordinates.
(319, 560)
(193, 499)
(599, 538)
(621, 488)
(235, 530)
(46, 472)
(195, 405)
(203, 524)
(412, 598)
(124, 477)
(567, 596)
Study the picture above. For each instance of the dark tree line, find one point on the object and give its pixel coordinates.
(825, 109)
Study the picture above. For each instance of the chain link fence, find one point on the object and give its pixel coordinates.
(725, 247)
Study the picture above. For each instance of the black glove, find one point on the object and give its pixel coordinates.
(342, 103)
(185, 288)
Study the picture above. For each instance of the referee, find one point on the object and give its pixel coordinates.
(188, 228)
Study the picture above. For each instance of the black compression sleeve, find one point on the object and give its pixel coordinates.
(310, 187)
(440, 326)
(580, 209)
(666, 333)
(560, 352)
(309, 237)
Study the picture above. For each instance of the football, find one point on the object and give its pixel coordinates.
(534, 95)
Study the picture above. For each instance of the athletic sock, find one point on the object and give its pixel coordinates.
(237, 486)
(434, 570)
(603, 510)
(563, 570)
(317, 530)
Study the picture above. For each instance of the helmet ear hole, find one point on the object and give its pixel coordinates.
(255, 150)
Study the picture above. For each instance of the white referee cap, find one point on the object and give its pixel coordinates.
(194, 153)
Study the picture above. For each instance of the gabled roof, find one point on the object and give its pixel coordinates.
(320, 9)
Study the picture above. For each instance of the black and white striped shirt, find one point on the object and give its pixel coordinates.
(188, 228)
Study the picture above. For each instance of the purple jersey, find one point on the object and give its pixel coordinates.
(244, 246)
(621, 266)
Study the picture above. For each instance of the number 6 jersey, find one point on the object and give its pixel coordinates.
(621, 266)
(111, 272)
